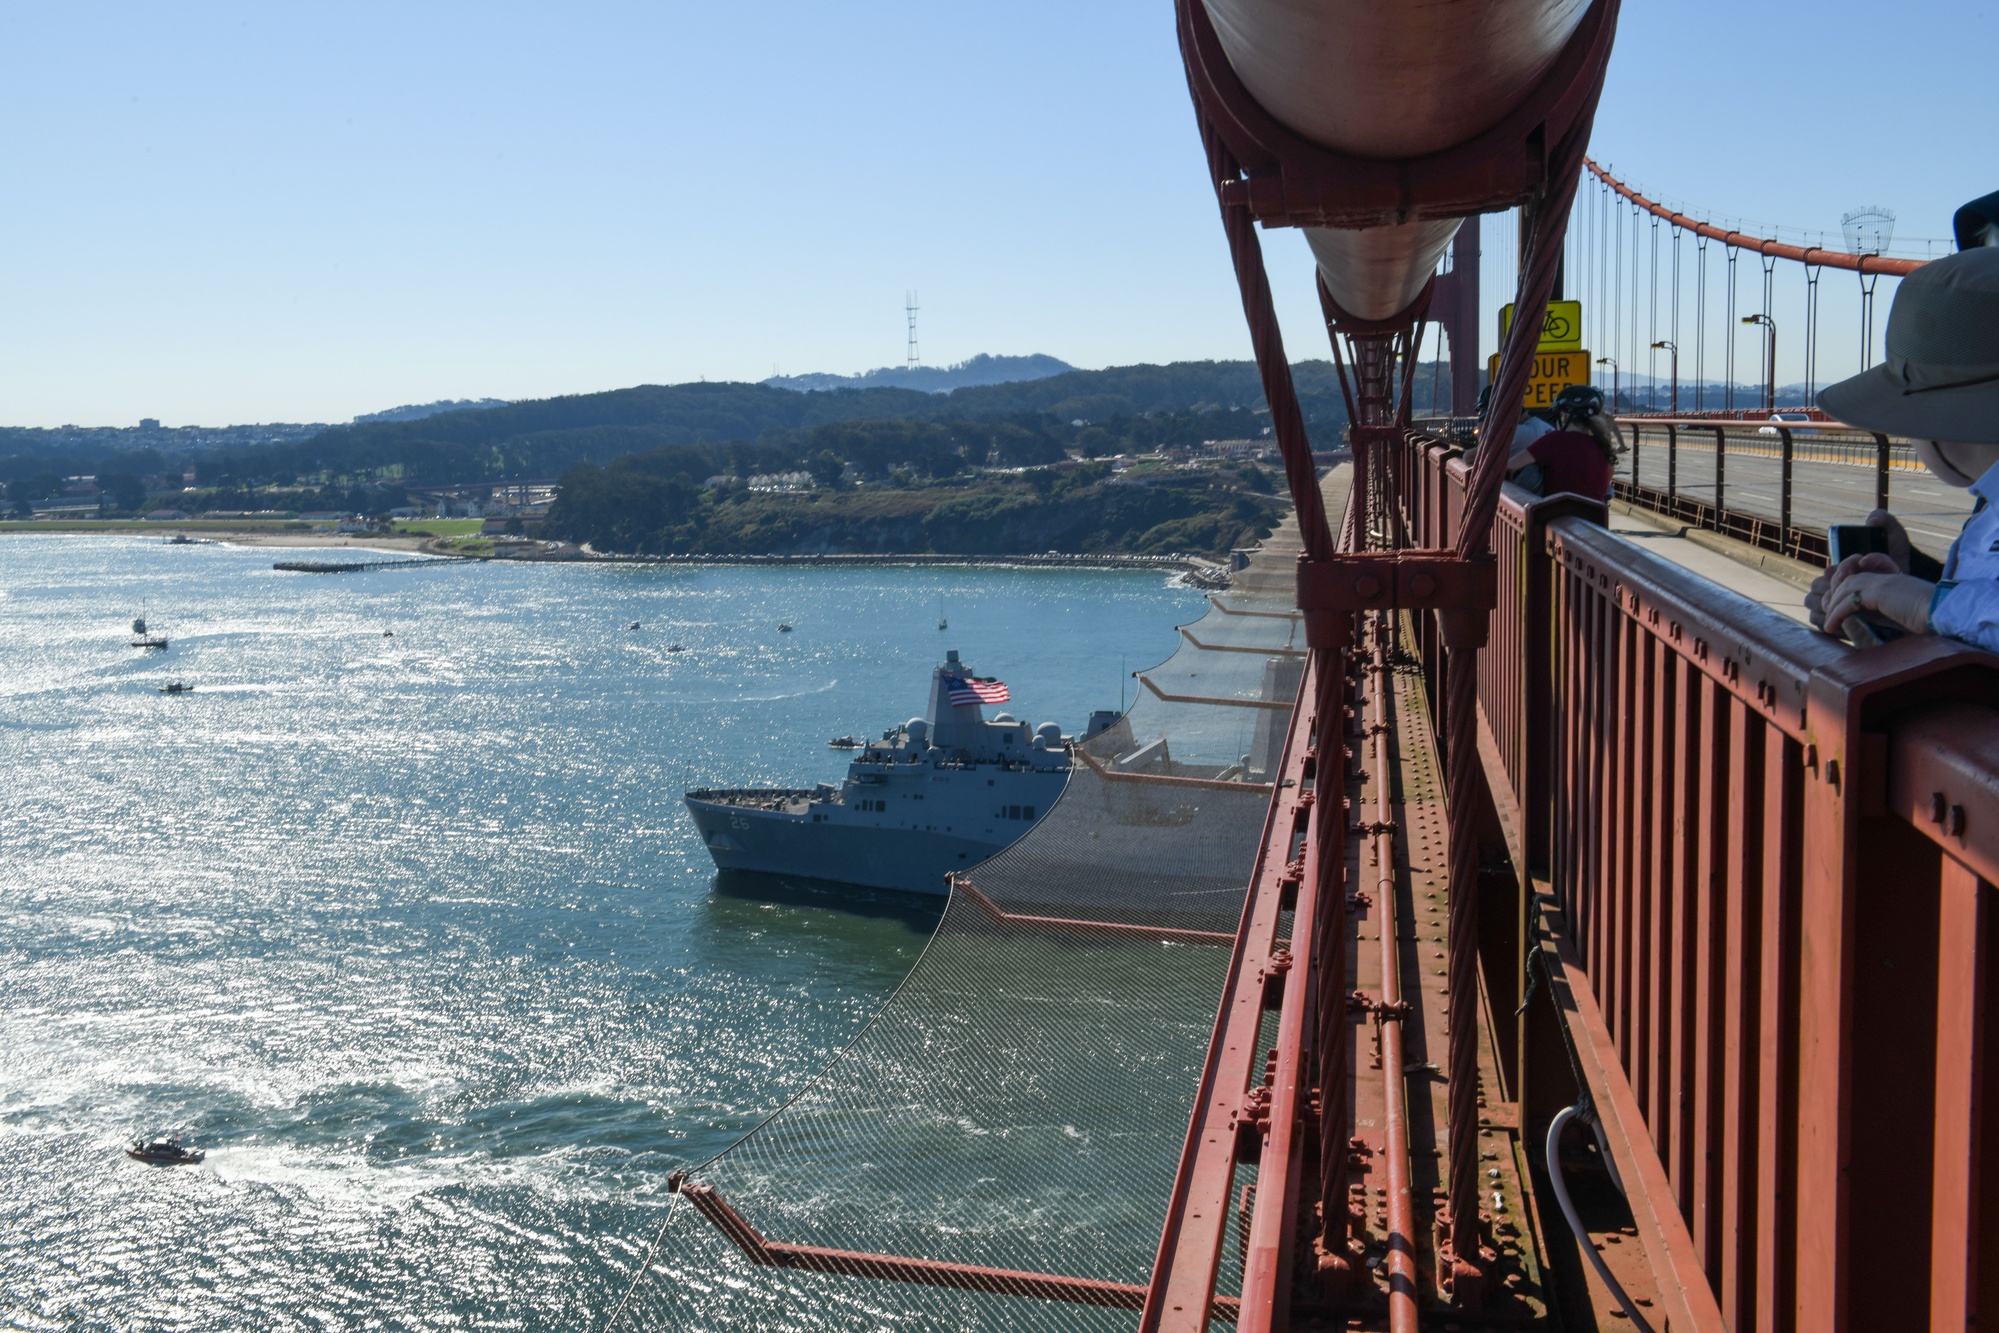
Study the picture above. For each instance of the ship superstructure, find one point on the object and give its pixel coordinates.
(940, 793)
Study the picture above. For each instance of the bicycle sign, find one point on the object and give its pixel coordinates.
(1562, 330)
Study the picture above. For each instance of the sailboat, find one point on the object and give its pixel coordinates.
(143, 638)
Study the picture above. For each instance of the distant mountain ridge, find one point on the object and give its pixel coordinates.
(418, 411)
(981, 370)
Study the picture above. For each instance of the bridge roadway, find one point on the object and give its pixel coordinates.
(1822, 493)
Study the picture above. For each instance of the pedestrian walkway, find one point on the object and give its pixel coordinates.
(1710, 558)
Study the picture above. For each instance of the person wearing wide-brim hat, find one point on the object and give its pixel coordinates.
(1940, 387)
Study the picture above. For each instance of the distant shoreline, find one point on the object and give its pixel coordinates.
(1201, 571)
(199, 531)
(1204, 572)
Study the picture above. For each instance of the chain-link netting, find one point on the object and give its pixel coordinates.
(1018, 1106)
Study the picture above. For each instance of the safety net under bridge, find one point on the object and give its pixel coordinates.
(997, 1147)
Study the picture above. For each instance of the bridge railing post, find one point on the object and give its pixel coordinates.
(1720, 473)
(1784, 499)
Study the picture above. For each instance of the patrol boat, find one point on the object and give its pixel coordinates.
(942, 792)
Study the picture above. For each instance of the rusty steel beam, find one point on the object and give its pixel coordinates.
(1217, 701)
(1228, 610)
(992, 909)
(1269, 1249)
(1188, 635)
(766, 1253)
(1109, 774)
(1390, 1012)
(1842, 259)
(1197, 1213)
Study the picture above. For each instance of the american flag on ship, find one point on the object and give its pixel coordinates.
(966, 691)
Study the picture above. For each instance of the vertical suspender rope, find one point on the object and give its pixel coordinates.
(1811, 334)
(1674, 405)
(1769, 332)
(1728, 337)
(1867, 281)
(1700, 325)
(1593, 312)
(1652, 332)
(1631, 332)
(1617, 302)
(1287, 421)
(1606, 282)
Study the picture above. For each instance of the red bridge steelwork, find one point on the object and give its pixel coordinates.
(1753, 866)
(1761, 865)
(1263, 172)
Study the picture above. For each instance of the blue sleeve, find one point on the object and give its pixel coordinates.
(1969, 613)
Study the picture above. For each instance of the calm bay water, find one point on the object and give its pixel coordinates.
(410, 931)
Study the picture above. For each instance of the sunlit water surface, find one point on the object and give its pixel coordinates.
(409, 930)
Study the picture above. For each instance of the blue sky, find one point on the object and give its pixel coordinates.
(240, 213)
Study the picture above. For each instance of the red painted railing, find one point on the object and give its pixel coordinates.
(1764, 863)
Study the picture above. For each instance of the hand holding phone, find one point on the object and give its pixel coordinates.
(1844, 541)
(1849, 539)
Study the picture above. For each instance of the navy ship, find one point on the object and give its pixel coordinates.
(940, 793)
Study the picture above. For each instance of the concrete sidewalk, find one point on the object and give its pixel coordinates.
(1776, 582)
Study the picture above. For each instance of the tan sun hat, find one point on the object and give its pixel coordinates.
(1941, 378)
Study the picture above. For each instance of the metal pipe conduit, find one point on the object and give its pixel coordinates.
(1389, 80)
(1402, 1279)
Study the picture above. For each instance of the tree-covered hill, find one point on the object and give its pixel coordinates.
(1086, 412)
(633, 506)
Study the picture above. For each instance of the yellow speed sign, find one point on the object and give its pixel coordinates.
(1553, 372)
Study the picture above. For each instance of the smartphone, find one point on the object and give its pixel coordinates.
(1845, 539)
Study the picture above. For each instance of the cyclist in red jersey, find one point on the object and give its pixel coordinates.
(1578, 456)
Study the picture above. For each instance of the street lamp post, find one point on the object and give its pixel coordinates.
(1770, 363)
(1611, 361)
(1669, 345)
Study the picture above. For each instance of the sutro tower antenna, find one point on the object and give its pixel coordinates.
(909, 307)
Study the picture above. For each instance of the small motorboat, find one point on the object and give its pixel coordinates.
(388, 634)
(144, 638)
(844, 743)
(675, 648)
(635, 624)
(169, 1151)
(784, 627)
(176, 687)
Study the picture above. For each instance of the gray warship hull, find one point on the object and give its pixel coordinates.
(884, 856)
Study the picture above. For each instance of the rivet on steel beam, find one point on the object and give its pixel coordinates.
(1812, 758)
(1937, 804)
(1422, 585)
(1955, 825)
(1367, 585)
